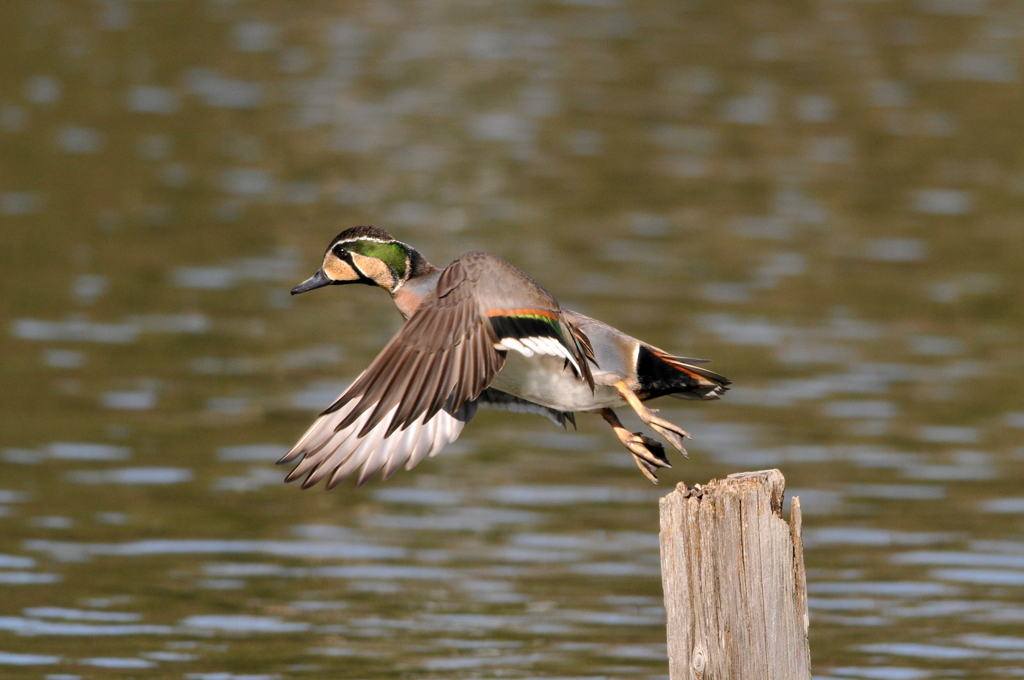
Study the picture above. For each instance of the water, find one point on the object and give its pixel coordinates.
(825, 200)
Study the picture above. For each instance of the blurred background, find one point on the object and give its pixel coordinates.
(824, 198)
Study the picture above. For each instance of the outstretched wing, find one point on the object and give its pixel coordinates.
(339, 453)
(409, 403)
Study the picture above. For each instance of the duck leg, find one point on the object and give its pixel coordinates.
(648, 454)
(670, 431)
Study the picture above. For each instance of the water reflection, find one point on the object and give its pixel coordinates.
(825, 203)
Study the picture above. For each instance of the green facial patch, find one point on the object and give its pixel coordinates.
(392, 254)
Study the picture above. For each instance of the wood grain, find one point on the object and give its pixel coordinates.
(735, 587)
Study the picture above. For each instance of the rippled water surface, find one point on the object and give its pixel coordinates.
(824, 198)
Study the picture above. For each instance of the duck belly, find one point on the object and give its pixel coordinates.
(544, 380)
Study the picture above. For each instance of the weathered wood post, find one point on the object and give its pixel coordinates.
(735, 587)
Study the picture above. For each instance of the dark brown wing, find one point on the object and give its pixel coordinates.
(442, 357)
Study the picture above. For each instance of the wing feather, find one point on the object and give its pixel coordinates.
(401, 448)
(441, 359)
(423, 444)
(374, 454)
(418, 376)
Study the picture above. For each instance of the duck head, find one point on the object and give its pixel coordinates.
(366, 255)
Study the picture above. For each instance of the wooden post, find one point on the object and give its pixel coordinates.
(735, 587)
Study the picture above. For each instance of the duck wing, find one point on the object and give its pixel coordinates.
(409, 403)
(421, 390)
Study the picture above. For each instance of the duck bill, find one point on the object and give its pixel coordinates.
(318, 280)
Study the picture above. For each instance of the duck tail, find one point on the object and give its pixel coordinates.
(661, 373)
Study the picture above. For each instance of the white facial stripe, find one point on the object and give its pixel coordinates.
(361, 238)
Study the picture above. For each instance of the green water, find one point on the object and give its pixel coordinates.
(825, 199)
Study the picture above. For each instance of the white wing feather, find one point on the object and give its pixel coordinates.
(540, 345)
(321, 451)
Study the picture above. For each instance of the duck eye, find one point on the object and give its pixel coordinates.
(340, 252)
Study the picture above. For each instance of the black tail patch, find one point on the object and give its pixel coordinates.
(664, 374)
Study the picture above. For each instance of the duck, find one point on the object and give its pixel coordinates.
(479, 333)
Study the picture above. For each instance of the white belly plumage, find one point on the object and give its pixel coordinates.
(543, 380)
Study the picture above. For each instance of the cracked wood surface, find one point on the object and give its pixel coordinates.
(733, 574)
